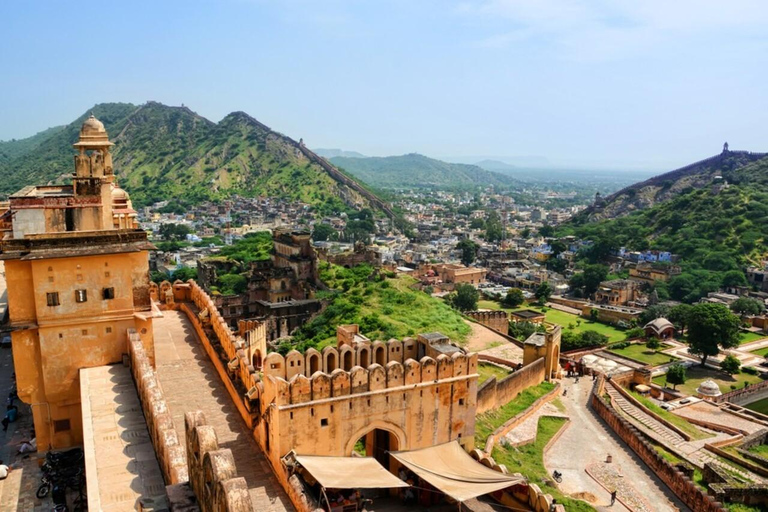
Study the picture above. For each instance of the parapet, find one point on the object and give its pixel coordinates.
(295, 387)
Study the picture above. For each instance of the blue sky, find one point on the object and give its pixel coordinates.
(623, 83)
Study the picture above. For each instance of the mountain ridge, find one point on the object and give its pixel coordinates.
(170, 152)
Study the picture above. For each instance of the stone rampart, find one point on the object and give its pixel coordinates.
(496, 320)
(294, 387)
(169, 451)
(677, 482)
(742, 396)
(492, 393)
(212, 471)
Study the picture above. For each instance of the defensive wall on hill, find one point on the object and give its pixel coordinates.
(496, 320)
(494, 393)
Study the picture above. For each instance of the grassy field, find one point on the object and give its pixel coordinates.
(486, 371)
(487, 422)
(760, 406)
(697, 375)
(574, 323)
(760, 449)
(761, 352)
(529, 460)
(674, 419)
(747, 337)
(640, 352)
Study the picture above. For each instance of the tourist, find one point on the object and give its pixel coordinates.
(4, 470)
(28, 446)
(10, 416)
(613, 498)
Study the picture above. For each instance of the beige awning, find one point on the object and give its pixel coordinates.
(349, 472)
(451, 470)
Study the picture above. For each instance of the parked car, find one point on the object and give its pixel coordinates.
(5, 340)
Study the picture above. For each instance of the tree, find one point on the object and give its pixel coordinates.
(174, 232)
(477, 224)
(653, 312)
(676, 375)
(543, 292)
(589, 280)
(593, 338)
(730, 365)
(513, 298)
(734, 278)
(546, 231)
(468, 250)
(464, 298)
(322, 232)
(747, 306)
(493, 227)
(185, 274)
(526, 232)
(679, 315)
(710, 328)
(653, 343)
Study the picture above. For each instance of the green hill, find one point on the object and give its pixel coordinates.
(716, 230)
(414, 170)
(171, 153)
(667, 186)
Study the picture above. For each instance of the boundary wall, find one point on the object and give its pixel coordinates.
(169, 451)
(492, 393)
(678, 483)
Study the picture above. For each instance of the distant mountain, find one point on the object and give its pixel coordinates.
(670, 185)
(414, 170)
(497, 166)
(171, 153)
(332, 153)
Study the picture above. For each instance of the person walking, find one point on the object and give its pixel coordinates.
(613, 498)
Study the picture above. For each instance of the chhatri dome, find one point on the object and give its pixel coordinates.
(93, 134)
(709, 388)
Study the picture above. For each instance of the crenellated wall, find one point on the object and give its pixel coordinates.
(169, 451)
(212, 471)
(420, 403)
(496, 320)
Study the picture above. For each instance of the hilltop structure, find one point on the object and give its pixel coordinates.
(77, 271)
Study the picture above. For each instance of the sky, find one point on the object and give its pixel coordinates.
(623, 84)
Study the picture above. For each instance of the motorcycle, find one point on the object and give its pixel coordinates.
(558, 476)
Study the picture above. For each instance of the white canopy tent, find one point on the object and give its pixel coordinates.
(349, 472)
(451, 470)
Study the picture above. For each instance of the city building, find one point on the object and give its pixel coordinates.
(78, 279)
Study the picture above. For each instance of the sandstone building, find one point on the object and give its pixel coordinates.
(77, 272)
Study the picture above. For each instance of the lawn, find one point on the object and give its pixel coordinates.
(674, 419)
(487, 422)
(639, 352)
(696, 375)
(487, 370)
(529, 460)
(761, 352)
(760, 449)
(747, 337)
(564, 319)
(760, 406)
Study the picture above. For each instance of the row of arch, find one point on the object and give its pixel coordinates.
(301, 389)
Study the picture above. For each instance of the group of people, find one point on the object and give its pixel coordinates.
(340, 498)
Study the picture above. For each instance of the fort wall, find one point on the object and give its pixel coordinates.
(677, 482)
(493, 394)
(496, 320)
(170, 453)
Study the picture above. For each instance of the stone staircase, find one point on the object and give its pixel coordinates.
(693, 451)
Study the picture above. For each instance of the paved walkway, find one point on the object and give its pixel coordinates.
(526, 431)
(586, 443)
(190, 383)
(709, 412)
(121, 466)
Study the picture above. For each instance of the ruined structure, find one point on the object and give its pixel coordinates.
(280, 291)
(78, 279)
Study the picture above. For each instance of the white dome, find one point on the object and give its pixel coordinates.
(709, 388)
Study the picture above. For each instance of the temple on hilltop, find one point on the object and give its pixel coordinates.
(77, 271)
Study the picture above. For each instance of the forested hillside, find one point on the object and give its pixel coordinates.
(171, 153)
(717, 230)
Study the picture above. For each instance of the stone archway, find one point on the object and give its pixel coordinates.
(256, 360)
(379, 437)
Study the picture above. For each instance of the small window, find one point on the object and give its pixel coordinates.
(52, 298)
(81, 295)
(84, 332)
(61, 335)
(61, 426)
(50, 279)
(461, 401)
(108, 293)
(108, 330)
(324, 422)
(50, 269)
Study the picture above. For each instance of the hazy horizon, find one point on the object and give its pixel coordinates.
(619, 85)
